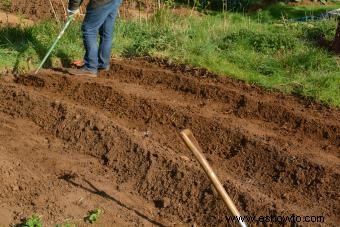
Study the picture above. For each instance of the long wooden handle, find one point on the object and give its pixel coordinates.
(192, 144)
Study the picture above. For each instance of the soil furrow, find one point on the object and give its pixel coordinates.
(229, 145)
(131, 162)
(155, 173)
(68, 177)
(242, 100)
(149, 110)
(275, 154)
(272, 177)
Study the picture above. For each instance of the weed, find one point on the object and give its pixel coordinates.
(169, 3)
(6, 4)
(93, 216)
(33, 221)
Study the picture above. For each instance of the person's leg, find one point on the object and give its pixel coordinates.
(93, 20)
(106, 34)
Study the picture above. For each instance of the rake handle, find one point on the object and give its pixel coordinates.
(68, 22)
(192, 144)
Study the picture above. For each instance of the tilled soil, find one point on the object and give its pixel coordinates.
(71, 144)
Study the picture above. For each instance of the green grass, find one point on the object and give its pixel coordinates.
(25, 47)
(281, 9)
(5, 4)
(276, 54)
(273, 55)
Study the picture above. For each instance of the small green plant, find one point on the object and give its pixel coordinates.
(94, 215)
(6, 4)
(169, 3)
(33, 221)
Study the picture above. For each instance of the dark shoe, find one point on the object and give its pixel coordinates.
(82, 72)
(104, 69)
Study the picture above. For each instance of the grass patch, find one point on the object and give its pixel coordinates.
(25, 47)
(283, 10)
(275, 54)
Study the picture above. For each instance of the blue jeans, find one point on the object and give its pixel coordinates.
(99, 20)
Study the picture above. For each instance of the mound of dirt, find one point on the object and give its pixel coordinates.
(71, 144)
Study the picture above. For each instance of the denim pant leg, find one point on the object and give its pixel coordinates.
(93, 20)
(106, 36)
(90, 29)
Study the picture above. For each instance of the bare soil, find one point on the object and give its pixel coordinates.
(9, 19)
(42, 9)
(71, 144)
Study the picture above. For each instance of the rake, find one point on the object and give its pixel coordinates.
(67, 24)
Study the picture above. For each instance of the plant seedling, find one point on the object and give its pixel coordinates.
(33, 221)
(93, 215)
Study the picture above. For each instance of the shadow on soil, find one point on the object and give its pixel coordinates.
(93, 189)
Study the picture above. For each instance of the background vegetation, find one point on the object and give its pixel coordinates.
(265, 47)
